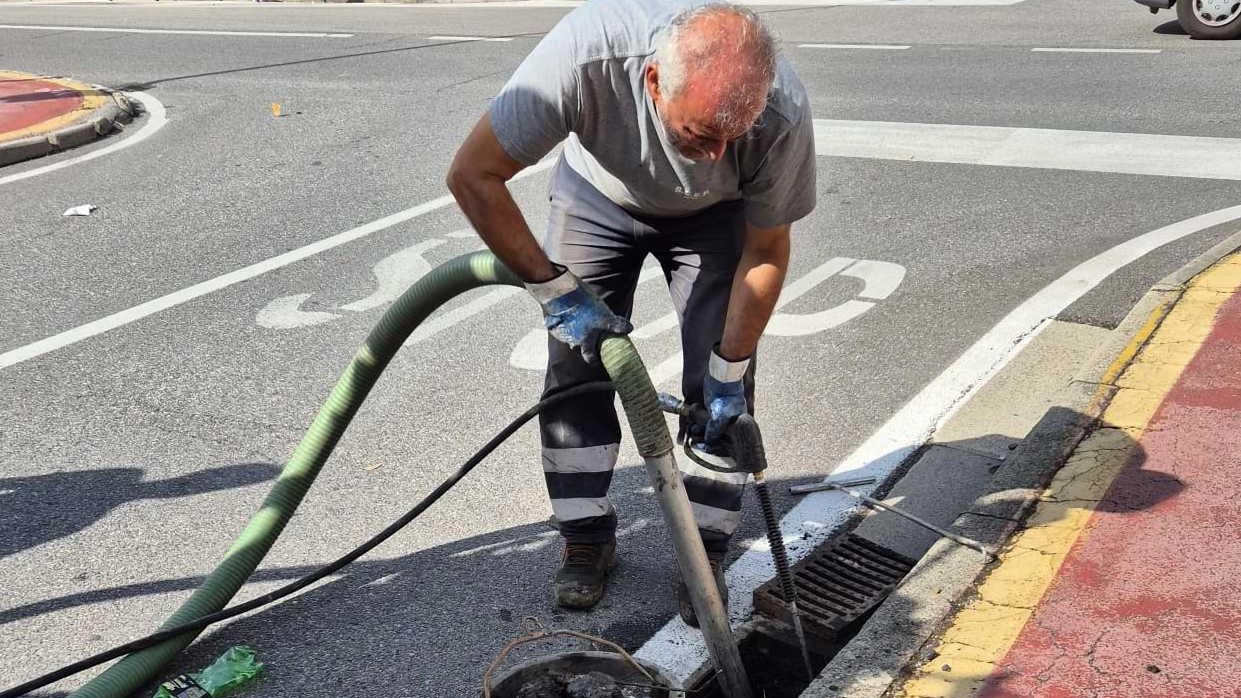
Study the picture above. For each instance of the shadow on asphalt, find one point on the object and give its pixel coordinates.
(53, 94)
(414, 619)
(1174, 27)
(149, 84)
(41, 508)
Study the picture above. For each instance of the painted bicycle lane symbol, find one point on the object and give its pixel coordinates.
(396, 272)
(880, 280)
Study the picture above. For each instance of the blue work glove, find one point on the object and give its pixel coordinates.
(723, 391)
(576, 316)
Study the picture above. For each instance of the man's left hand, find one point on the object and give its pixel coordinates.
(724, 393)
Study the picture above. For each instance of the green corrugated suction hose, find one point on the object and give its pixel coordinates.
(436, 288)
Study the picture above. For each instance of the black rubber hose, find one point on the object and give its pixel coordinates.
(331, 568)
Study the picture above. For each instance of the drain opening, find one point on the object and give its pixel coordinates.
(836, 584)
(772, 660)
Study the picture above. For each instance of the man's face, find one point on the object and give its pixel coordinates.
(689, 117)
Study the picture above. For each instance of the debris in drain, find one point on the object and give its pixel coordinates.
(547, 686)
(592, 685)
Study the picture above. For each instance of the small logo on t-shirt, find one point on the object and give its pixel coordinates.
(692, 195)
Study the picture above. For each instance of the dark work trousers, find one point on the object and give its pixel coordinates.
(605, 245)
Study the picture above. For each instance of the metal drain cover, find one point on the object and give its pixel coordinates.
(836, 584)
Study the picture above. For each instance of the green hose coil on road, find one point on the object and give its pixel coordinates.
(440, 285)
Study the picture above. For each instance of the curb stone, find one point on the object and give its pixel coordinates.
(897, 633)
(112, 116)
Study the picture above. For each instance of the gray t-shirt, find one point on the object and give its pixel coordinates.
(584, 82)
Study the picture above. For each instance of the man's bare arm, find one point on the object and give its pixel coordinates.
(756, 287)
(477, 179)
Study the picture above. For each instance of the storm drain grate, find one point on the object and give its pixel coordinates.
(836, 584)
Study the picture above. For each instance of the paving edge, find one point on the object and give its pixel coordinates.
(117, 111)
(899, 629)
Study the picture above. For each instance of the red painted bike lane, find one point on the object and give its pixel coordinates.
(27, 102)
(1148, 601)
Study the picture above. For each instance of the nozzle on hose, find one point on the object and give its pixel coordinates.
(747, 455)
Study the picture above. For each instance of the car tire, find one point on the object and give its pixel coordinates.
(1190, 13)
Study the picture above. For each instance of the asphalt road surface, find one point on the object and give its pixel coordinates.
(131, 457)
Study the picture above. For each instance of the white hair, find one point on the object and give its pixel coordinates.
(754, 46)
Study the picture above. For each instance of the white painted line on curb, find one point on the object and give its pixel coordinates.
(876, 47)
(185, 295)
(470, 38)
(1085, 151)
(200, 32)
(1096, 50)
(156, 120)
(679, 650)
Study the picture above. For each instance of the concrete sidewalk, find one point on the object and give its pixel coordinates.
(42, 115)
(1125, 579)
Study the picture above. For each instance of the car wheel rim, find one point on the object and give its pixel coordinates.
(1217, 13)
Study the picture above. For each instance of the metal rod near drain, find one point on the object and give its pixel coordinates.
(843, 485)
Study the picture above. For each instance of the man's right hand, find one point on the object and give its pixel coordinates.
(574, 315)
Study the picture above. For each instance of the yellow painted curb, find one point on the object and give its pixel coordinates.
(983, 631)
(92, 99)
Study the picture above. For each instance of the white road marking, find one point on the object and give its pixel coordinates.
(1127, 153)
(1085, 151)
(541, 4)
(881, 279)
(156, 119)
(679, 650)
(530, 4)
(438, 323)
(530, 352)
(185, 295)
(875, 47)
(1096, 50)
(471, 38)
(202, 32)
(396, 273)
(286, 313)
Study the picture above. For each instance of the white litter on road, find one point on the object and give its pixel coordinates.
(83, 210)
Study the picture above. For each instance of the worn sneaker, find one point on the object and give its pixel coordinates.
(583, 573)
(685, 606)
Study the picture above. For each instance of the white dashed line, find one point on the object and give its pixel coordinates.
(200, 32)
(471, 38)
(1096, 50)
(876, 47)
